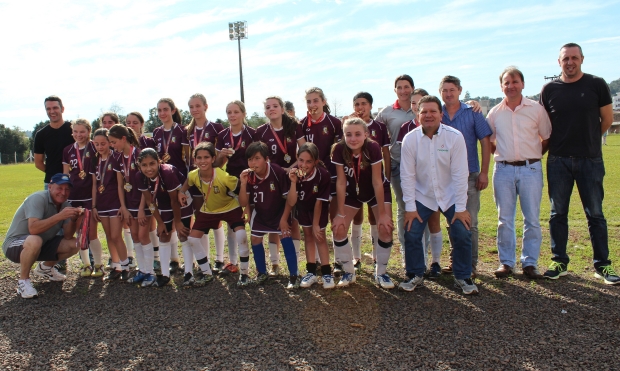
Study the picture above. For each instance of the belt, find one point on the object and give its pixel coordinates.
(520, 163)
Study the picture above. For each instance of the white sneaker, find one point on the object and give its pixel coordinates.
(346, 280)
(328, 281)
(51, 274)
(308, 280)
(384, 281)
(467, 285)
(25, 289)
(410, 283)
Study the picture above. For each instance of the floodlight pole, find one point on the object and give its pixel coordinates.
(240, 70)
(239, 30)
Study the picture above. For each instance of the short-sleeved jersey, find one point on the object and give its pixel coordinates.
(313, 188)
(82, 188)
(169, 180)
(177, 138)
(216, 193)
(268, 195)
(132, 198)
(147, 142)
(379, 133)
(207, 133)
(324, 133)
(51, 143)
(105, 175)
(373, 155)
(406, 128)
(276, 155)
(237, 162)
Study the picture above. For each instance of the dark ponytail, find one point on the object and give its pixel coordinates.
(119, 131)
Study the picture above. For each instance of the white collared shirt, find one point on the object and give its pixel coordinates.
(434, 171)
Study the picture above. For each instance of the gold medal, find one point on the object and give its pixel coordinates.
(82, 174)
(101, 188)
(357, 189)
(166, 157)
(287, 158)
(152, 207)
(127, 187)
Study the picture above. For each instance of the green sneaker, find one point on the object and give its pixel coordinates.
(86, 270)
(202, 279)
(261, 278)
(607, 273)
(556, 270)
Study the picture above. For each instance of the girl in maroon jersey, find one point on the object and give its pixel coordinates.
(200, 129)
(76, 160)
(159, 184)
(282, 134)
(311, 182)
(107, 193)
(361, 180)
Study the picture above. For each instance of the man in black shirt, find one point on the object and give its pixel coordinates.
(52, 139)
(579, 106)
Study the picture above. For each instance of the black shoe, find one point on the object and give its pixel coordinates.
(607, 273)
(114, 275)
(556, 270)
(358, 266)
(434, 272)
(125, 275)
(337, 269)
(188, 279)
(61, 266)
(161, 281)
(218, 267)
(174, 267)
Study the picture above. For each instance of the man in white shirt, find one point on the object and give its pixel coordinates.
(521, 130)
(434, 176)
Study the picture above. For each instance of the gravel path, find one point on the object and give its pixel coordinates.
(514, 324)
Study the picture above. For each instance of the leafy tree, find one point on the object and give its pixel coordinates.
(95, 124)
(614, 86)
(13, 141)
(153, 120)
(467, 96)
(225, 123)
(36, 128)
(255, 120)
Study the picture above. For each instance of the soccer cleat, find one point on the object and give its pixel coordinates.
(132, 262)
(61, 266)
(384, 281)
(188, 279)
(275, 270)
(138, 278)
(109, 266)
(261, 278)
(174, 267)
(338, 269)
(556, 270)
(434, 272)
(358, 266)
(607, 273)
(97, 271)
(229, 269)
(26, 290)
(86, 270)
(244, 280)
(308, 280)
(51, 274)
(125, 275)
(328, 281)
(294, 282)
(157, 265)
(148, 280)
(346, 279)
(161, 281)
(113, 275)
(218, 267)
(467, 285)
(410, 283)
(202, 279)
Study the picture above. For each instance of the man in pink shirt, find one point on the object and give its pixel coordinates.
(521, 130)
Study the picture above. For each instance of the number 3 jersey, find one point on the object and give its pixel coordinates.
(268, 195)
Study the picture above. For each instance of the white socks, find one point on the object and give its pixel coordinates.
(231, 238)
(241, 238)
(297, 244)
(274, 255)
(194, 244)
(139, 256)
(128, 242)
(344, 255)
(204, 240)
(155, 242)
(149, 257)
(383, 256)
(174, 247)
(188, 255)
(356, 240)
(164, 257)
(218, 237)
(95, 247)
(436, 246)
(84, 257)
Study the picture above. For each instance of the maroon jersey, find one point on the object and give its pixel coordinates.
(324, 133)
(82, 188)
(147, 142)
(404, 129)
(207, 133)
(169, 180)
(237, 162)
(276, 155)
(379, 133)
(268, 195)
(373, 155)
(105, 175)
(176, 138)
(314, 187)
(132, 198)
(218, 127)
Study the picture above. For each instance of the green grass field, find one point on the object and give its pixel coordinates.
(18, 181)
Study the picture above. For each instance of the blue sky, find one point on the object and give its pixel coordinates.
(131, 53)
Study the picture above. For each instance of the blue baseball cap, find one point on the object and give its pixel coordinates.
(61, 178)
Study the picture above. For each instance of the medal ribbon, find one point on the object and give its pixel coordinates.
(356, 176)
(317, 121)
(102, 175)
(232, 139)
(154, 193)
(206, 197)
(163, 135)
(128, 166)
(77, 154)
(199, 138)
(282, 146)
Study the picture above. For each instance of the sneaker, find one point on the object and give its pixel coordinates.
(328, 282)
(61, 266)
(346, 280)
(138, 278)
(113, 275)
(434, 272)
(148, 280)
(384, 281)
(358, 266)
(97, 271)
(174, 267)
(188, 279)
(125, 275)
(157, 265)
(467, 285)
(218, 267)
(51, 274)
(132, 262)
(338, 269)
(202, 279)
(294, 283)
(86, 270)
(447, 269)
(161, 281)
(308, 280)
(410, 283)
(244, 280)
(261, 278)
(229, 269)
(556, 270)
(607, 273)
(26, 290)
(275, 270)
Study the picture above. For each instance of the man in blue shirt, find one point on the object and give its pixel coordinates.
(474, 128)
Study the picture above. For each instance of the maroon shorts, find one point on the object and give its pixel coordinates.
(205, 221)
(306, 217)
(168, 215)
(260, 227)
(353, 202)
(49, 250)
(147, 212)
(332, 187)
(87, 204)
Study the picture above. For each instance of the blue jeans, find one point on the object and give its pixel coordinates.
(398, 194)
(460, 236)
(588, 173)
(526, 183)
